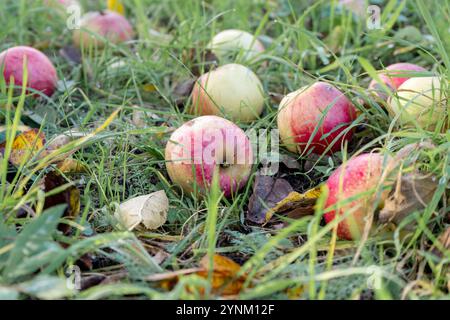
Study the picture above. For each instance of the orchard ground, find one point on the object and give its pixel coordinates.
(136, 93)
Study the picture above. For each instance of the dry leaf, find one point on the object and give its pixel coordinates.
(117, 6)
(224, 275)
(71, 54)
(25, 146)
(412, 192)
(183, 90)
(139, 116)
(70, 165)
(150, 209)
(267, 192)
(70, 196)
(296, 204)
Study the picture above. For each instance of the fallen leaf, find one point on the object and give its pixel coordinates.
(25, 146)
(444, 240)
(296, 204)
(224, 275)
(69, 196)
(150, 209)
(71, 54)
(139, 116)
(70, 165)
(267, 192)
(117, 6)
(183, 90)
(411, 192)
(149, 87)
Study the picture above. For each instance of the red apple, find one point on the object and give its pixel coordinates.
(319, 107)
(393, 77)
(232, 91)
(41, 72)
(201, 145)
(359, 176)
(97, 26)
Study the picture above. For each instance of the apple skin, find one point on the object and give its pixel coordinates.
(358, 175)
(390, 80)
(301, 111)
(107, 24)
(198, 146)
(42, 74)
(422, 99)
(230, 42)
(231, 91)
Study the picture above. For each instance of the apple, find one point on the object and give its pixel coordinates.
(423, 100)
(41, 72)
(393, 77)
(304, 111)
(359, 179)
(231, 91)
(95, 27)
(203, 144)
(230, 42)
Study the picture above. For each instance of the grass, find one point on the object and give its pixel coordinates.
(303, 260)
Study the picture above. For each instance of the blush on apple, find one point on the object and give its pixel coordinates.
(232, 91)
(229, 43)
(98, 27)
(203, 144)
(393, 77)
(41, 72)
(421, 100)
(315, 118)
(359, 178)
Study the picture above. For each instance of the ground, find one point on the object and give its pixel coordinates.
(288, 258)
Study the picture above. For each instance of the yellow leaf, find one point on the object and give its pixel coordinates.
(70, 165)
(25, 146)
(224, 275)
(150, 87)
(294, 201)
(117, 6)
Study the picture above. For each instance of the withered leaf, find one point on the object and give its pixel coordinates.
(267, 192)
(70, 196)
(70, 165)
(183, 90)
(224, 275)
(411, 192)
(71, 54)
(25, 146)
(296, 204)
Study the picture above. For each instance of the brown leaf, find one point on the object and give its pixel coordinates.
(412, 192)
(444, 240)
(183, 90)
(267, 192)
(297, 205)
(70, 196)
(25, 146)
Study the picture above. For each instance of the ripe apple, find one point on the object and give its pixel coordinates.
(95, 27)
(228, 43)
(393, 77)
(319, 113)
(359, 179)
(41, 72)
(232, 91)
(201, 145)
(423, 100)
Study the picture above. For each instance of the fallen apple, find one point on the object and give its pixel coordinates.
(96, 28)
(393, 77)
(229, 43)
(231, 91)
(41, 72)
(315, 118)
(204, 144)
(359, 178)
(423, 100)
